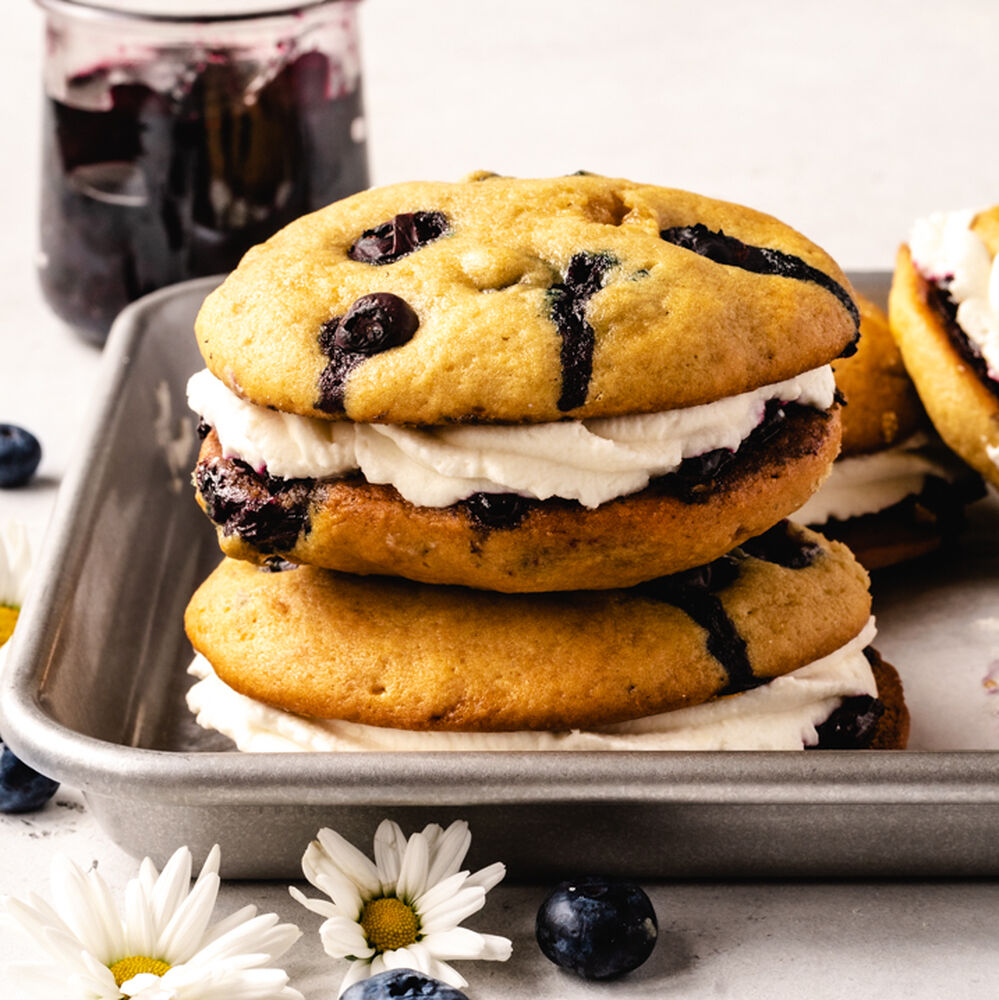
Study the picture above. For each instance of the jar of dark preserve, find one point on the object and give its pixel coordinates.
(178, 133)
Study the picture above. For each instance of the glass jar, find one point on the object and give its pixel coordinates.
(178, 133)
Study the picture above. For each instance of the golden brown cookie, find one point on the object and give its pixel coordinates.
(682, 520)
(510, 300)
(892, 732)
(882, 405)
(392, 653)
(960, 398)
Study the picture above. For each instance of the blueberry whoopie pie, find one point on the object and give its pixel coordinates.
(506, 464)
(767, 647)
(945, 320)
(519, 385)
(896, 491)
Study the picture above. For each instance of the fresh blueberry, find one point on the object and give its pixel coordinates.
(20, 454)
(402, 984)
(22, 788)
(597, 927)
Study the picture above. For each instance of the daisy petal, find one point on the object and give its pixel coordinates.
(106, 912)
(217, 930)
(143, 981)
(497, 948)
(432, 835)
(412, 881)
(99, 974)
(73, 899)
(390, 845)
(321, 906)
(342, 890)
(186, 928)
(462, 943)
(440, 893)
(343, 938)
(147, 877)
(407, 958)
(489, 876)
(171, 887)
(66, 949)
(457, 943)
(48, 930)
(446, 974)
(343, 856)
(449, 851)
(138, 920)
(451, 912)
(38, 982)
(211, 865)
(255, 935)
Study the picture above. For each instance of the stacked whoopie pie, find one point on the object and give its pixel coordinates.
(506, 464)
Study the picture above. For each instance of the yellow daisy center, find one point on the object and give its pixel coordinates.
(125, 968)
(8, 619)
(389, 923)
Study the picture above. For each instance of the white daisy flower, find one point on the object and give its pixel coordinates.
(15, 564)
(403, 910)
(163, 947)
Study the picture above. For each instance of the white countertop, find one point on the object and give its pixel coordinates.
(846, 120)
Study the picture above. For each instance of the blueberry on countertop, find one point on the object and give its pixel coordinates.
(22, 788)
(20, 454)
(402, 984)
(597, 927)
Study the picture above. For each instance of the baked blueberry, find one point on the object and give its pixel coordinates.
(724, 249)
(583, 279)
(402, 984)
(497, 510)
(375, 323)
(400, 236)
(22, 788)
(597, 927)
(851, 726)
(780, 546)
(20, 454)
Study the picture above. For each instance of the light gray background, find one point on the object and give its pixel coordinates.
(845, 119)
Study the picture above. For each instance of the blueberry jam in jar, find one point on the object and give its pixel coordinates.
(179, 133)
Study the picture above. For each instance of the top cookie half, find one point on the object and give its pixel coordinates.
(504, 300)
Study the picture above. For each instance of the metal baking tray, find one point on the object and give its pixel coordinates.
(93, 695)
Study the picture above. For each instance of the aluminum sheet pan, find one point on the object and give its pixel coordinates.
(93, 695)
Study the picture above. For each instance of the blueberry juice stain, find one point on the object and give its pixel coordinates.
(144, 187)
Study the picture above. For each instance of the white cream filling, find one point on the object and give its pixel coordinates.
(946, 251)
(780, 715)
(866, 484)
(591, 461)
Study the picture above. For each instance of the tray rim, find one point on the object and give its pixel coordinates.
(406, 778)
